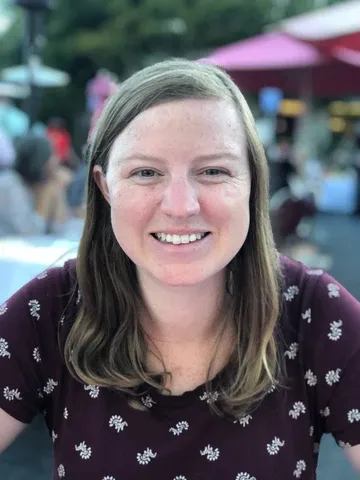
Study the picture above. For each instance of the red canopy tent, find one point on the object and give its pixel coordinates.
(279, 60)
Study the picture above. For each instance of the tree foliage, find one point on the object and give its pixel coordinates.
(124, 35)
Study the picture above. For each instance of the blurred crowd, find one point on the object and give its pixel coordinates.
(301, 185)
(42, 181)
(42, 166)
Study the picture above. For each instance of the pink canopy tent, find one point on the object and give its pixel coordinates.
(334, 30)
(278, 60)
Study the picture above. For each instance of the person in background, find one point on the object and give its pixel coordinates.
(17, 212)
(180, 344)
(61, 141)
(281, 164)
(32, 192)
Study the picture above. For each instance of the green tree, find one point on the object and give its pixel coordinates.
(124, 35)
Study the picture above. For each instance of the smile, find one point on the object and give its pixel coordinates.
(179, 239)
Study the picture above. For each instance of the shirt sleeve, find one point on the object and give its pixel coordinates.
(331, 332)
(28, 344)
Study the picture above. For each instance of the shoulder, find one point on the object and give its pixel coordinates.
(45, 297)
(320, 315)
(316, 288)
(313, 294)
(10, 178)
(30, 323)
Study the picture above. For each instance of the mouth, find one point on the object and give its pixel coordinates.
(179, 239)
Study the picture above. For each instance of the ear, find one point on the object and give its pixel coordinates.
(100, 180)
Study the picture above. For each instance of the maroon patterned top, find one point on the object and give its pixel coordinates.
(97, 436)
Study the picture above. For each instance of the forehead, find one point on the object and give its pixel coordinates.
(186, 127)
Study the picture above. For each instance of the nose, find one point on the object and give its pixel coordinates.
(180, 199)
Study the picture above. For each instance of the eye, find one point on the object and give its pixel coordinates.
(214, 172)
(145, 173)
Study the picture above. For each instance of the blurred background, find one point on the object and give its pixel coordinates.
(297, 63)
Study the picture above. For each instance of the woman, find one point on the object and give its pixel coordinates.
(17, 209)
(44, 179)
(179, 346)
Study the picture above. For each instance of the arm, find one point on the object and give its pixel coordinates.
(29, 350)
(332, 354)
(10, 429)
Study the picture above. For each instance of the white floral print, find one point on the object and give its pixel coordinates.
(325, 412)
(147, 401)
(293, 351)
(93, 390)
(311, 431)
(335, 330)
(62, 319)
(307, 315)
(291, 292)
(4, 346)
(333, 376)
(180, 477)
(146, 457)
(50, 386)
(3, 308)
(36, 355)
(179, 428)
(300, 468)
(210, 397)
(271, 389)
(274, 447)
(211, 453)
(11, 395)
(54, 436)
(42, 275)
(66, 413)
(244, 421)
(354, 415)
(84, 450)
(315, 271)
(61, 471)
(297, 410)
(109, 478)
(344, 444)
(34, 309)
(311, 378)
(244, 476)
(333, 290)
(118, 423)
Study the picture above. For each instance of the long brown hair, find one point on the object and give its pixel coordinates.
(106, 345)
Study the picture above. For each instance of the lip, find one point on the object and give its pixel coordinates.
(180, 232)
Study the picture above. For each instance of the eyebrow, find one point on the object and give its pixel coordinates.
(209, 157)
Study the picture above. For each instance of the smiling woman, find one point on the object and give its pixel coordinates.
(195, 349)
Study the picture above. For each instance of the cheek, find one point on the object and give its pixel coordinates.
(229, 206)
(129, 207)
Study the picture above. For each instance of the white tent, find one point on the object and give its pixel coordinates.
(338, 20)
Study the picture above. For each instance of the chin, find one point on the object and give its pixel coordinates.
(176, 277)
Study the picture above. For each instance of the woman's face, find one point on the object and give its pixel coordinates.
(178, 184)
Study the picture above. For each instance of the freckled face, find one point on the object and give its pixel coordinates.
(178, 185)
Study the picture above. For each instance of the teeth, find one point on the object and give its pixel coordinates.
(179, 239)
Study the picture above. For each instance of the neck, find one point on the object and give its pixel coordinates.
(182, 314)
